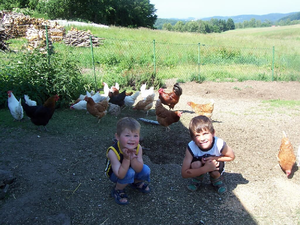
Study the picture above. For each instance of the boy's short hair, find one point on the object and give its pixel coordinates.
(200, 123)
(129, 123)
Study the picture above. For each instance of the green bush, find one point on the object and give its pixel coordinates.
(32, 74)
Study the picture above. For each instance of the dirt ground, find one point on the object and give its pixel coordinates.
(60, 178)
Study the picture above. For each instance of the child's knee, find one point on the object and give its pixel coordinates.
(196, 164)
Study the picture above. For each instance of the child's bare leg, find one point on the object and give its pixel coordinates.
(196, 181)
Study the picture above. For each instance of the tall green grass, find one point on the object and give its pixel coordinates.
(236, 55)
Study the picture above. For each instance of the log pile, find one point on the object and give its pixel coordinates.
(79, 38)
(3, 37)
(34, 29)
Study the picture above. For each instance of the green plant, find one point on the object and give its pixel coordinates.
(32, 74)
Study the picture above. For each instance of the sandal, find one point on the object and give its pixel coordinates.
(195, 184)
(118, 195)
(219, 185)
(141, 188)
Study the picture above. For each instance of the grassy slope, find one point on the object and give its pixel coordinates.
(285, 39)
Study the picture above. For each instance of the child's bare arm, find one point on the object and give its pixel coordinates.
(119, 169)
(137, 162)
(188, 172)
(227, 155)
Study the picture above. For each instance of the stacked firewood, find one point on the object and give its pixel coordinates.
(79, 38)
(3, 37)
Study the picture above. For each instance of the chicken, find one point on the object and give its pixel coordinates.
(81, 105)
(145, 92)
(115, 89)
(96, 109)
(105, 89)
(15, 106)
(172, 98)
(203, 109)
(98, 98)
(130, 99)
(117, 99)
(41, 114)
(29, 102)
(145, 104)
(114, 109)
(286, 156)
(164, 116)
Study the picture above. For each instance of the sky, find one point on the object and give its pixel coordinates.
(208, 8)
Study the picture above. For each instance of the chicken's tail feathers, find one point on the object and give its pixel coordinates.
(149, 121)
(135, 95)
(284, 134)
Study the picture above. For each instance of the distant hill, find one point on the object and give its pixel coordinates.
(272, 17)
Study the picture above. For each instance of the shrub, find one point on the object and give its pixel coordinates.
(32, 74)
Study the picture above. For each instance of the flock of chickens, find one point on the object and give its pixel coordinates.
(112, 102)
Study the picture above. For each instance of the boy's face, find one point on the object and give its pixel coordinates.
(204, 139)
(128, 139)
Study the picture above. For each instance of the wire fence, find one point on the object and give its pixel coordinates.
(183, 61)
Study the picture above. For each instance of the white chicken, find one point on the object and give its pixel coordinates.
(105, 89)
(81, 105)
(15, 106)
(130, 99)
(146, 92)
(29, 102)
(98, 98)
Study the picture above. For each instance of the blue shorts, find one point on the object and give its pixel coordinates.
(131, 175)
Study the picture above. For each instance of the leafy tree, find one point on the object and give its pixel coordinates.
(179, 26)
(230, 24)
(167, 26)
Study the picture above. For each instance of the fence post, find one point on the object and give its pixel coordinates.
(199, 62)
(91, 43)
(273, 62)
(154, 57)
(47, 44)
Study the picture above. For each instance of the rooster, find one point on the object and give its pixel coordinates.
(41, 114)
(286, 156)
(164, 116)
(98, 110)
(15, 106)
(172, 98)
(145, 104)
(203, 109)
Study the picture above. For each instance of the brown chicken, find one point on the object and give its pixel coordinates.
(203, 109)
(172, 98)
(286, 156)
(164, 116)
(145, 104)
(96, 109)
(41, 114)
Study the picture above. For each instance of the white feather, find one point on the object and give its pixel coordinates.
(130, 100)
(81, 105)
(29, 102)
(15, 106)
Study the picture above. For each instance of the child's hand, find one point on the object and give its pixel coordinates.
(129, 154)
(212, 165)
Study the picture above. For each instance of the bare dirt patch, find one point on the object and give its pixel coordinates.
(60, 179)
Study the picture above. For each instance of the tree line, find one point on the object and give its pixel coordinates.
(125, 13)
(200, 26)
